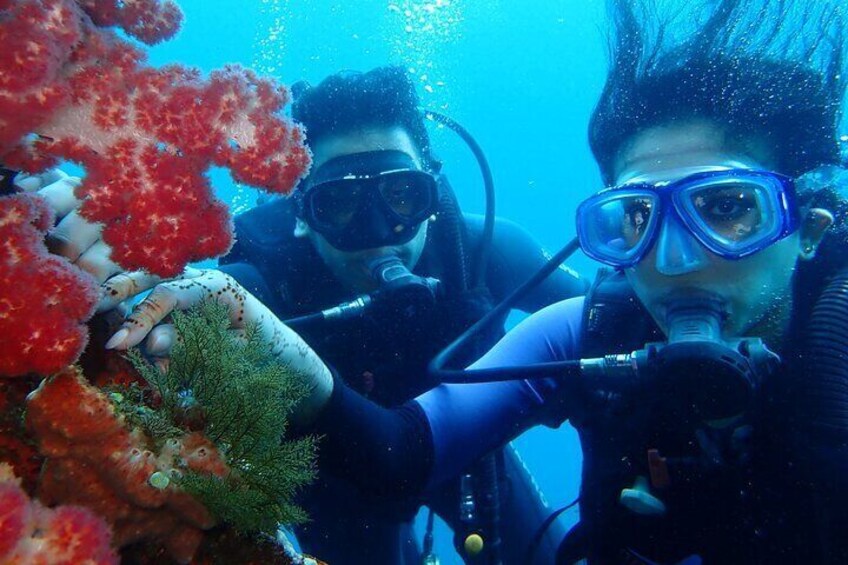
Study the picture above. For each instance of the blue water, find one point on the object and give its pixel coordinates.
(522, 79)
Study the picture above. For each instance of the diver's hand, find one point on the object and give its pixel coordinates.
(73, 237)
(147, 323)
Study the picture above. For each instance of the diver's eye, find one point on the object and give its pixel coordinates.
(726, 206)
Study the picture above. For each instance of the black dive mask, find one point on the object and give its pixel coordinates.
(368, 200)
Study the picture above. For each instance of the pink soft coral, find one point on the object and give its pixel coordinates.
(44, 300)
(32, 534)
(145, 136)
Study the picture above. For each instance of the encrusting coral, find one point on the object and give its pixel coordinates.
(94, 459)
(201, 445)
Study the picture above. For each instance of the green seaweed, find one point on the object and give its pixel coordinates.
(229, 386)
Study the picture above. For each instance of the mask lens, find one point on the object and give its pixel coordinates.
(334, 203)
(614, 227)
(734, 213)
(409, 194)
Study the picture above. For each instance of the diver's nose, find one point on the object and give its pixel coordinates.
(678, 252)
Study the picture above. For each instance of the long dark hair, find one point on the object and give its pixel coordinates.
(764, 69)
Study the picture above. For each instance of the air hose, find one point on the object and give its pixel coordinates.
(824, 391)
(480, 267)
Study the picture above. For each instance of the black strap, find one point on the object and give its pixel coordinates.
(574, 545)
(610, 304)
(543, 528)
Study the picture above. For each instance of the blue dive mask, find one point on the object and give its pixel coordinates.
(733, 213)
(367, 200)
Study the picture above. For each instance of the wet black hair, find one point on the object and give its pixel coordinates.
(766, 70)
(350, 101)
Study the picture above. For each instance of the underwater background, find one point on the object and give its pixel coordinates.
(521, 76)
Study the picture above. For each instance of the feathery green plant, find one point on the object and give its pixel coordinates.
(229, 387)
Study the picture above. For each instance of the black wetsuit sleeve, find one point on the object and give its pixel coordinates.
(515, 256)
(237, 265)
(381, 450)
(250, 279)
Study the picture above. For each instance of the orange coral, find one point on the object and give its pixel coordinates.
(95, 460)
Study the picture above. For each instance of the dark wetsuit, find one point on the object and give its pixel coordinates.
(386, 361)
(763, 490)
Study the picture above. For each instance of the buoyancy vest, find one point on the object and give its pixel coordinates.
(737, 494)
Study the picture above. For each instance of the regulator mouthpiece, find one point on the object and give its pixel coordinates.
(694, 317)
(715, 377)
(395, 281)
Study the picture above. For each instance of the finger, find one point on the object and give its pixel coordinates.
(191, 289)
(32, 183)
(145, 316)
(97, 263)
(165, 298)
(125, 285)
(73, 236)
(60, 196)
(161, 339)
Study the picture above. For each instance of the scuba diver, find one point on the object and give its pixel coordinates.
(707, 370)
(377, 269)
(376, 224)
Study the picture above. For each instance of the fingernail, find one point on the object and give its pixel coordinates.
(117, 339)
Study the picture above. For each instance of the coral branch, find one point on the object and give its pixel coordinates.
(44, 300)
(145, 136)
(149, 21)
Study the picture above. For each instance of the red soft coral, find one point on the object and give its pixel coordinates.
(95, 460)
(32, 534)
(44, 300)
(149, 21)
(145, 136)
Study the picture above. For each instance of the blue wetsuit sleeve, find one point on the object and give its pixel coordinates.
(468, 420)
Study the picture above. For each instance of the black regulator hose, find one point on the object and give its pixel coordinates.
(825, 387)
(479, 272)
(440, 365)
